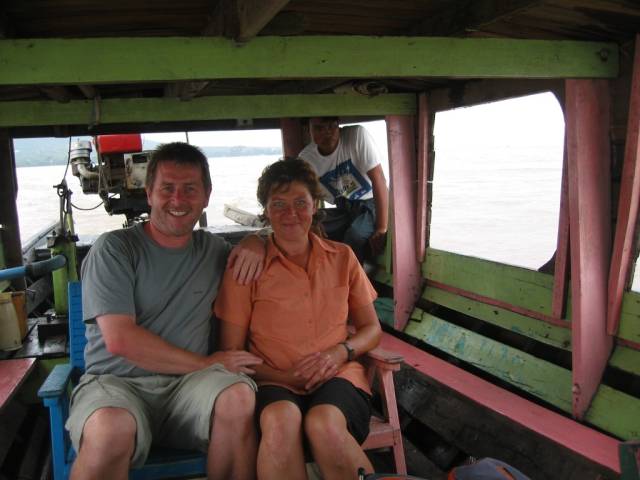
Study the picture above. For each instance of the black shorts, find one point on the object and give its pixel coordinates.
(354, 403)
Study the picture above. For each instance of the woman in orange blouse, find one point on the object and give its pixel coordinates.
(312, 390)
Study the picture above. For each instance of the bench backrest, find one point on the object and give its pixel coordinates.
(77, 338)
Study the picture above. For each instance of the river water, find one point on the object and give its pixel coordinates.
(501, 204)
(234, 182)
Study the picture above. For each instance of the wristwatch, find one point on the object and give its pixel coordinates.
(350, 351)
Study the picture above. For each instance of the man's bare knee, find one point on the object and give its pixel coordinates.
(111, 429)
(236, 401)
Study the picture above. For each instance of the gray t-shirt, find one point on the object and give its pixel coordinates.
(169, 291)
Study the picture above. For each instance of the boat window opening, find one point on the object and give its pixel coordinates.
(236, 160)
(635, 280)
(497, 180)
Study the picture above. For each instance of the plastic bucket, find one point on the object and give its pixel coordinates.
(10, 338)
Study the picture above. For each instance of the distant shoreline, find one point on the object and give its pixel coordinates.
(210, 157)
(43, 152)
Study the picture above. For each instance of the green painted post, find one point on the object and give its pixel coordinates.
(63, 246)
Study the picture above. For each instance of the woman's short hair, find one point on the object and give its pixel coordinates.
(284, 172)
(182, 154)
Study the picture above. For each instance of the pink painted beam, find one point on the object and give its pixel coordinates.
(627, 204)
(422, 223)
(292, 138)
(562, 249)
(580, 439)
(500, 303)
(407, 279)
(587, 135)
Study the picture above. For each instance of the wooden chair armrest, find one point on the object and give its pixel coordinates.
(56, 383)
(384, 359)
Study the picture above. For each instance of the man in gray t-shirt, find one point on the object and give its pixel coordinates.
(147, 301)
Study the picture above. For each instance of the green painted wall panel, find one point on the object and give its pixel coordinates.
(124, 60)
(385, 310)
(629, 328)
(626, 359)
(538, 330)
(533, 375)
(615, 412)
(81, 112)
(518, 286)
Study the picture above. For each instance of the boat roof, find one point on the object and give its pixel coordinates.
(72, 51)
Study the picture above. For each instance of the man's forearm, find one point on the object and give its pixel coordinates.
(151, 352)
(380, 198)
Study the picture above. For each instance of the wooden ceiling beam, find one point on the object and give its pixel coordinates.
(145, 110)
(254, 15)
(173, 59)
(239, 19)
(57, 93)
(471, 16)
(185, 90)
(89, 91)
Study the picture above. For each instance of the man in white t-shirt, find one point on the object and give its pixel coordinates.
(348, 167)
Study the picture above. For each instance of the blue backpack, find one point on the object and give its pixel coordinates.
(487, 469)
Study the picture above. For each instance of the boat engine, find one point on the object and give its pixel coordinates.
(119, 175)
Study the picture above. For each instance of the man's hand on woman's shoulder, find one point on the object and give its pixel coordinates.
(247, 259)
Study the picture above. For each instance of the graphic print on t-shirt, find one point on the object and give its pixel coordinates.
(345, 181)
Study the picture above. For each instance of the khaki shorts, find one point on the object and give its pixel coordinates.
(173, 411)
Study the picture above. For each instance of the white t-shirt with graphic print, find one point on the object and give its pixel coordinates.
(344, 172)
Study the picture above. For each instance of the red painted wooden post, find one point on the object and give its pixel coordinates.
(562, 249)
(627, 204)
(407, 279)
(292, 138)
(423, 174)
(587, 127)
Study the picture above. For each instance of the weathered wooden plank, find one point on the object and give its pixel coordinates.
(82, 112)
(489, 410)
(292, 136)
(9, 221)
(541, 331)
(515, 285)
(626, 359)
(384, 310)
(383, 277)
(12, 374)
(629, 327)
(486, 432)
(533, 375)
(561, 265)
(253, 15)
(615, 412)
(143, 59)
(628, 205)
(587, 138)
(473, 16)
(630, 460)
(422, 222)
